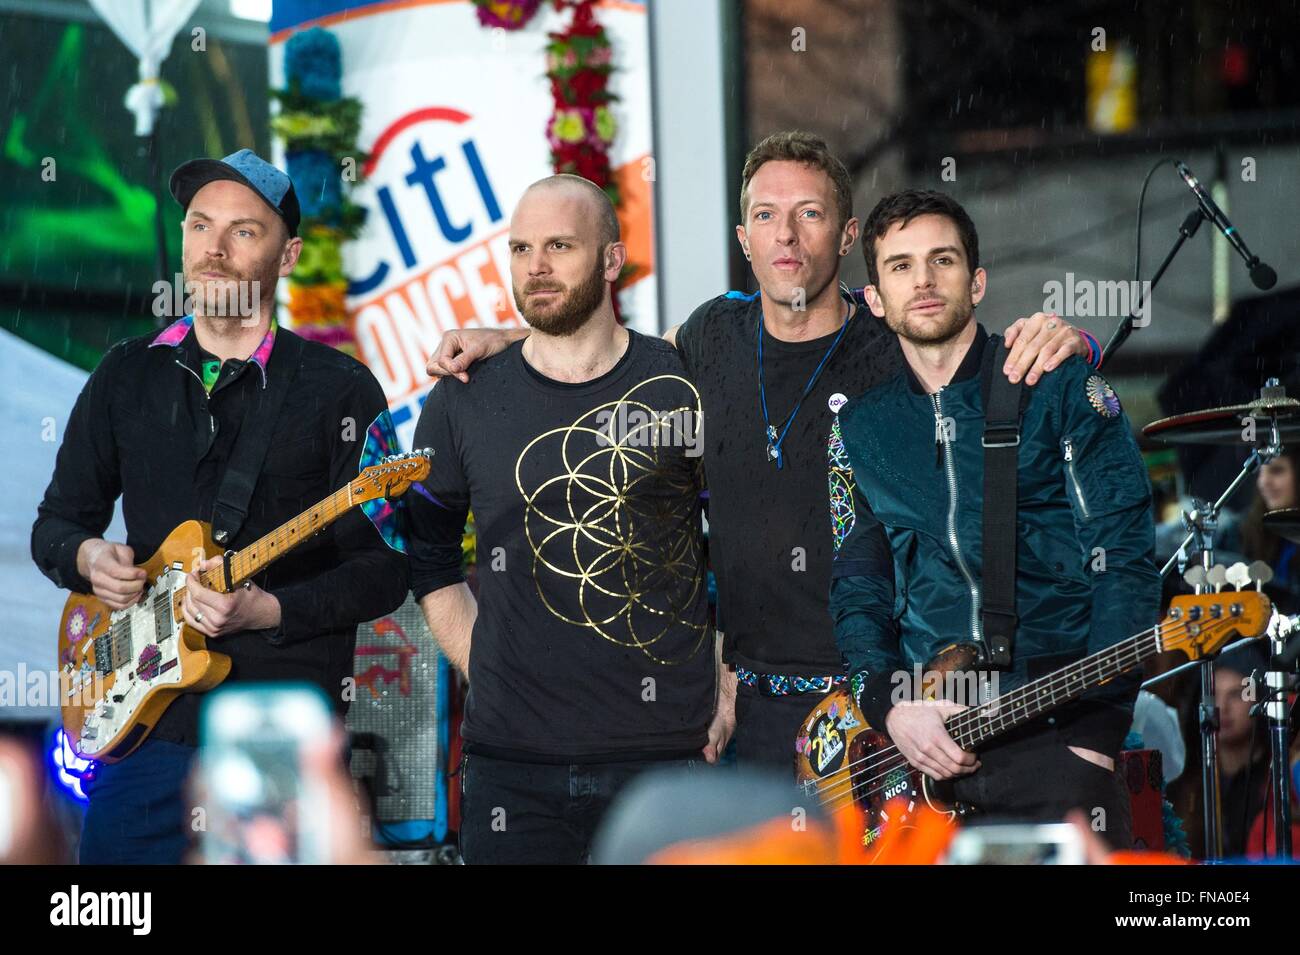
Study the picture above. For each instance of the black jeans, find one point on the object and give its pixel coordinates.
(538, 813)
(766, 728)
(1032, 776)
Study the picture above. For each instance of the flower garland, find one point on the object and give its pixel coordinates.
(582, 127)
(579, 61)
(319, 127)
(506, 14)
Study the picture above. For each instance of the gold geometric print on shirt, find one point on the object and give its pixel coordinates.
(618, 519)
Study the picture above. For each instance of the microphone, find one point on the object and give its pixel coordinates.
(1261, 275)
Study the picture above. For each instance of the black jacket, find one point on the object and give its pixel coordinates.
(145, 429)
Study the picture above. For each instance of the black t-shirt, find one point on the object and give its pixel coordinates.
(770, 529)
(592, 640)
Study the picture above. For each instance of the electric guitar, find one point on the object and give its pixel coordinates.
(120, 669)
(842, 762)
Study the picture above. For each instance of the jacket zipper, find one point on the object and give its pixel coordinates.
(954, 546)
(1074, 478)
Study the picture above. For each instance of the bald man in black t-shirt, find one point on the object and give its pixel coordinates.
(589, 650)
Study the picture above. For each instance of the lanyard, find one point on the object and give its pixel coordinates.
(774, 441)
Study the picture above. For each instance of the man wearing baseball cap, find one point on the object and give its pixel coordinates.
(225, 418)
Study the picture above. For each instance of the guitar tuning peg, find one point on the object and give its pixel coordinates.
(1195, 576)
(1261, 573)
(1216, 576)
(1238, 575)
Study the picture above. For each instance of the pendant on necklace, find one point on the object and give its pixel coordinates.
(771, 443)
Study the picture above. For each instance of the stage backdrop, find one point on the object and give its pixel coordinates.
(455, 123)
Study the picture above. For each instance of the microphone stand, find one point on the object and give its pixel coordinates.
(1200, 524)
(1185, 232)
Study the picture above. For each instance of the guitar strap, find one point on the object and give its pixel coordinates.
(254, 441)
(1004, 405)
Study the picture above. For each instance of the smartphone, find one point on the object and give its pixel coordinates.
(258, 806)
(1056, 843)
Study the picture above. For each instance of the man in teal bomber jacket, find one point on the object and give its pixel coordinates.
(907, 478)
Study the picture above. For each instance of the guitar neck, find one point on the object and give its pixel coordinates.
(979, 724)
(262, 552)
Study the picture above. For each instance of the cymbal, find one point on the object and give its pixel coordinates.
(1225, 425)
(1284, 522)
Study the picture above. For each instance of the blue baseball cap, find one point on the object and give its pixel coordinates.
(247, 168)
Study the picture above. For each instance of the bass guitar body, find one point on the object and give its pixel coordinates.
(119, 669)
(841, 762)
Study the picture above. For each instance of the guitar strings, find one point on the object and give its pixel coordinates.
(959, 720)
(278, 538)
(895, 760)
(283, 536)
(841, 791)
(961, 723)
(834, 789)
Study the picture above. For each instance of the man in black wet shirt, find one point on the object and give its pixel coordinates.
(589, 650)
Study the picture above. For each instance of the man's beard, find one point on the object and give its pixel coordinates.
(233, 296)
(574, 307)
(953, 319)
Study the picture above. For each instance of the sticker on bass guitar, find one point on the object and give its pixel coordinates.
(896, 783)
(825, 746)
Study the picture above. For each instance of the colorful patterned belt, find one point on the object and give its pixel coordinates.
(778, 684)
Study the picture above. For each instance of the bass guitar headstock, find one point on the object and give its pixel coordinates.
(1202, 624)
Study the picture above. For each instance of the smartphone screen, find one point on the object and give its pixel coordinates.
(258, 806)
(1027, 844)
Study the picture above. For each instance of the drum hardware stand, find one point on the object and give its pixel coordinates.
(1274, 707)
(1201, 523)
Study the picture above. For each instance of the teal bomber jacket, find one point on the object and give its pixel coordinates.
(906, 486)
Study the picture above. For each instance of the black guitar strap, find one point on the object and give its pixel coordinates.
(1004, 405)
(254, 441)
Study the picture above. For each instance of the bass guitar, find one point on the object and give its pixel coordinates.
(842, 762)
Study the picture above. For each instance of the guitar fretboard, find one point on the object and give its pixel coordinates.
(259, 554)
(972, 727)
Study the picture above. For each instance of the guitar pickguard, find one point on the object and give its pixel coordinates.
(113, 670)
